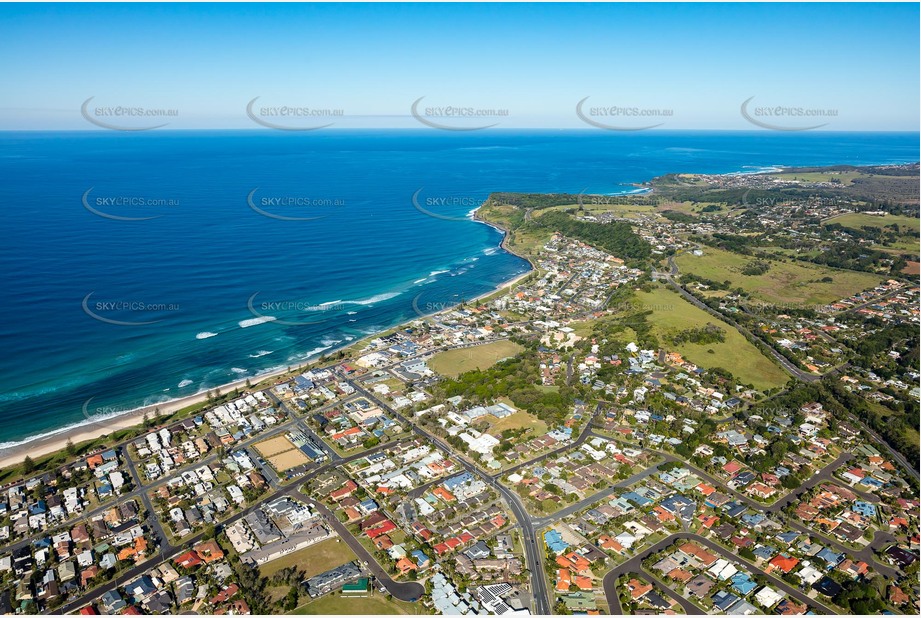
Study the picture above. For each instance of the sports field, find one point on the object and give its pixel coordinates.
(452, 363)
(281, 453)
(318, 558)
(274, 446)
(288, 459)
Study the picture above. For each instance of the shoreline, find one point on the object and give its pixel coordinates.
(56, 440)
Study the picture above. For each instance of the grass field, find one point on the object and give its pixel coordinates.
(588, 206)
(857, 220)
(452, 363)
(312, 560)
(692, 208)
(908, 226)
(671, 313)
(845, 178)
(518, 420)
(523, 242)
(786, 282)
(374, 605)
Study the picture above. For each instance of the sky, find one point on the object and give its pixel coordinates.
(679, 66)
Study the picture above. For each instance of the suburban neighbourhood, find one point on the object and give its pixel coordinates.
(647, 422)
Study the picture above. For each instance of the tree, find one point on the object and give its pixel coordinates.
(70, 448)
(28, 465)
(291, 599)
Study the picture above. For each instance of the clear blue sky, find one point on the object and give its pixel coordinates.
(537, 61)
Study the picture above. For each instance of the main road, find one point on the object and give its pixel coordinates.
(167, 551)
(531, 544)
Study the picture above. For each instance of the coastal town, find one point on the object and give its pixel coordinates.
(614, 433)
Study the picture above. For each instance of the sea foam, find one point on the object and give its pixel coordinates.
(255, 321)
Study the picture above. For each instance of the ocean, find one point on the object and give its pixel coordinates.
(141, 267)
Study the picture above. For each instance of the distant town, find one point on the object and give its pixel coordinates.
(703, 399)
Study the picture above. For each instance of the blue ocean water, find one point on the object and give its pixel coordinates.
(251, 250)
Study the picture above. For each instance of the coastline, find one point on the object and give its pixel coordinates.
(503, 245)
(56, 440)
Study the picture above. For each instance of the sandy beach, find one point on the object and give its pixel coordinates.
(92, 430)
(40, 446)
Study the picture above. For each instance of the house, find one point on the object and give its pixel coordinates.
(638, 589)
(700, 586)
(188, 560)
(705, 558)
(827, 586)
(404, 565)
(897, 596)
(724, 599)
(112, 602)
(209, 551)
(767, 597)
(783, 563)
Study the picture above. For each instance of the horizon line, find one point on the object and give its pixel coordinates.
(480, 131)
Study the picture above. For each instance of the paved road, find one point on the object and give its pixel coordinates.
(594, 498)
(824, 474)
(532, 544)
(690, 608)
(586, 431)
(168, 551)
(405, 591)
(532, 549)
(789, 367)
(152, 520)
(899, 457)
(635, 565)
